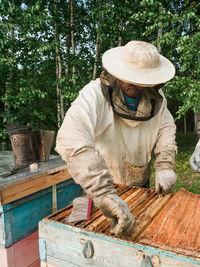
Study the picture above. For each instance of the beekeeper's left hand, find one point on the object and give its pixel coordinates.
(165, 179)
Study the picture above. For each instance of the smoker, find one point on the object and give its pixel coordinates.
(29, 145)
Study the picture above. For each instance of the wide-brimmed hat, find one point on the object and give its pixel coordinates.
(138, 63)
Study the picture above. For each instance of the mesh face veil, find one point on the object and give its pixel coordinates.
(150, 98)
(121, 112)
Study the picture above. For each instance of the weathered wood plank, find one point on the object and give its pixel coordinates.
(177, 226)
(68, 249)
(22, 254)
(62, 243)
(17, 191)
(54, 165)
(43, 264)
(5, 229)
(46, 264)
(60, 263)
(143, 203)
(35, 264)
(64, 247)
(20, 218)
(150, 214)
(6, 257)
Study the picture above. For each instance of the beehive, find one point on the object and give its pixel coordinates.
(63, 243)
(144, 204)
(26, 197)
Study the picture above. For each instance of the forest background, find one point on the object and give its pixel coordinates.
(49, 50)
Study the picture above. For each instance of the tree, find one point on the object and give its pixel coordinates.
(50, 49)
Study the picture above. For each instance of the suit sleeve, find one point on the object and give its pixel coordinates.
(76, 143)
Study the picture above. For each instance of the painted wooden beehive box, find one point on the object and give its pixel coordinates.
(167, 233)
(25, 199)
(20, 218)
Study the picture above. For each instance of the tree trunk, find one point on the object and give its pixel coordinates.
(72, 40)
(185, 125)
(60, 106)
(9, 81)
(96, 57)
(111, 44)
(68, 40)
(160, 33)
(197, 123)
(120, 30)
(98, 45)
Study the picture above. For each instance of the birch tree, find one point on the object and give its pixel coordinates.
(60, 107)
(57, 48)
(72, 3)
(97, 46)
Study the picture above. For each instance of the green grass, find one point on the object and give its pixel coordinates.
(186, 177)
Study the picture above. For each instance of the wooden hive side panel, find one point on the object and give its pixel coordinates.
(20, 218)
(22, 254)
(62, 245)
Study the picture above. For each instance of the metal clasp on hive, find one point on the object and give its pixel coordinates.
(88, 249)
(146, 262)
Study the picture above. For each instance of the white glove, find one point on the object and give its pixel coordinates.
(118, 214)
(195, 159)
(165, 179)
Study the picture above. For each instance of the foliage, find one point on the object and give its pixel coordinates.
(28, 58)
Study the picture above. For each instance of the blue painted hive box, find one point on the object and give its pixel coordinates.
(26, 198)
(20, 218)
(89, 242)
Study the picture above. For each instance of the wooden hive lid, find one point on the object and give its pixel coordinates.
(177, 227)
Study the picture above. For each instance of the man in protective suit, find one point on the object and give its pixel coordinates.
(117, 121)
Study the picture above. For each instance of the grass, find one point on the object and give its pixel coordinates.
(186, 177)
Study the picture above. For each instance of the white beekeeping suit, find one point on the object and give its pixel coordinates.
(103, 141)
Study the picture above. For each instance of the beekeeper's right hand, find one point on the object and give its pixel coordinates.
(88, 168)
(118, 214)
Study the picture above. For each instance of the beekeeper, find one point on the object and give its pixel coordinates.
(195, 158)
(114, 125)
